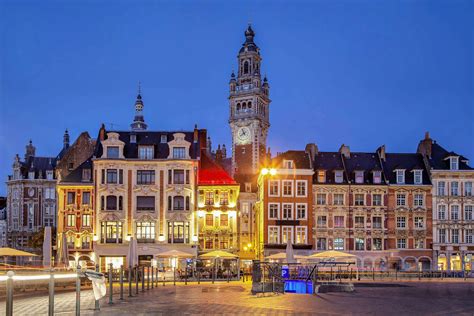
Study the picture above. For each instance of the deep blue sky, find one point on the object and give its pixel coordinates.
(363, 73)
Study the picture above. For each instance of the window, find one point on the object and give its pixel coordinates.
(454, 163)
(419, 243)
(179, 153)
(145, 231)
(287, 234)
(224, 221)
(321, 244)
(71, 197)
(377, 177)
(111, 175)
(287, 211)
(401, 222)
(187, 203)
(49, 193)
(468, 189)
(418, 199)
(454, 212)
(442, 212)
(377, 199)
(322, 221)
(31, 175)
(442, 235)
(178, 232)
(273, 210)
(441, 188)
(359, 221)
(338, 221)
(287, 188)
(71, 240)
(359, 176)
(178, 203)
(70, 166)
(359, 244)
(300, 187)
(274, 187)
(111, 204)
(377, 243)
(418, 177)
(400, 176)
(178, 176)
(187, 176)
(288, 164)
(419, 222)
(145, 177)
(469, 236)
(454, 188)
(301, 235)
(145, 203)
(86, 174)
(209, 220)
(209, 198)
(468, 212)
(401, 199)
(245, 208)
(112, 152)
(273, 234)
(338, 199)
(359, 199)
(163, 139)
(321, 176)
(86, 198)
(338, 243)
(71, 220)
(401, 243)
(86, 220)
(377, 222)
(145, 152)
(209, 243)
(248, 187)
(49, 175)
(455, 236)
(321, 199)
(338, 177)
(300, 211)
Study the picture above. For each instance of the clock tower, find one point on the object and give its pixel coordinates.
(249, 109)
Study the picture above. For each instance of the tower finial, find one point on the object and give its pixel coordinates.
(139, 87)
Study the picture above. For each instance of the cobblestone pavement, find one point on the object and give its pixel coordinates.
(411, 298)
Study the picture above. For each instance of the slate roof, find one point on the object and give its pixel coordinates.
(37, 164)
(438, 158)
(300, 158)
(211, 173)
(329, 162)
(161, 150)
(366, 162)
(249, 43)
(76, 175)
(409, 162)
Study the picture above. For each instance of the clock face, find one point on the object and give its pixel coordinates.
(31, 192)
(243, 134)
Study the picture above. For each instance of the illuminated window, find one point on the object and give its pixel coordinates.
(71, 220)
(273, 234)
(338, 243)
(287, 234)
(86, 220)
(224, 199)
(111, 232)
(321, 176)
(301, 234)
(145, 231)
(224, 221)
(209, 220)
(209, 198)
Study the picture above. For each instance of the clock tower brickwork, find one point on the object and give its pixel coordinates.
(249, 109)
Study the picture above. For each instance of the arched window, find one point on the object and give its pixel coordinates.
(187, 203)
(244, 106)
(246, 67)
(238, 106)
(178, 203)
(249, 105)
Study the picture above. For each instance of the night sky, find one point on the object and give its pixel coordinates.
(363, 73)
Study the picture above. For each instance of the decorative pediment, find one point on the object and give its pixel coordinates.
(179, 141)
(145, 190)
(110, 217)
(145, 218)
(113, 141)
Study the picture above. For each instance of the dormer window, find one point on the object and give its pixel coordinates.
(112, 152)
(338, 177)
(377, 177)
(321, 176)
(49, 174)
(418, 176)
(454, 163)
(31, 175)
(179, 153)
(86, 174)
(288, 164)
(359, 176)
(133, 139)
(164, 139)
(400, 176)
(145, 152)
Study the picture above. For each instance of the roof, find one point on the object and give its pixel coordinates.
(438, 158)
(408, 162)
(330, 162)
(249, 44)
(211, 173)
(299, 157)
(75, 176)
(360, 161)
(38, 165)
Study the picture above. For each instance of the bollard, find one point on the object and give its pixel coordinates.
(121, 283)
(157, 277)
(186, 275)
(351, 275)
(228, 276)
(174, 276)
(148, 278)
(130, 281)
(163, 278)
(111, 285)
(152, 281)
(9, 302)
(51, 293)
(97, 303)
(78, 291)
(143, 278)
(136, 280)
(373, 274)
(199, 277)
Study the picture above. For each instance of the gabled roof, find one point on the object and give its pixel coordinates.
(407, 161)
(76, 175)
(300, 158)
(210, 173)
(438, 158)
(366, 162)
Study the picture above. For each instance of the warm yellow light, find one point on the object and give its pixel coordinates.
(201, 214)
(161, 237)
(249, 245)
(128, 238)
(200, 204)
(273, 171)
(245, 248)
(264, 171)
(95, 238)
(232, 204)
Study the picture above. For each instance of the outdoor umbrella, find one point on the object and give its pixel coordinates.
(174, 254)
(10, 252)
(218, 254)
(331, 254)
(282, 256)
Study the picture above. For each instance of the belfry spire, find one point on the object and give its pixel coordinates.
(139, 121)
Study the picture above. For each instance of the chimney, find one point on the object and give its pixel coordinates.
(66, 140)
(209, 145)
(196, 134)
(224, 152)
(424, 147)
(202, 135)
(381, 152)
(312, 150)
(30, 150)
(344, 150)
(219, 153)
(102, 132)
